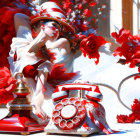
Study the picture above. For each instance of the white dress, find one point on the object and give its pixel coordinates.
(21, 42)
(24, 58)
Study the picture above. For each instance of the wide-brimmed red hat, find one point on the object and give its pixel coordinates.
(51, 11)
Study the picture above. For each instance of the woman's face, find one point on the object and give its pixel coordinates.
(51, 28)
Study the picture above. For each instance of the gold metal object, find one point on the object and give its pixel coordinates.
(21, 88)
(25, 133)
(48, 133)
(21, 102)
(84, 135)
(20, 108)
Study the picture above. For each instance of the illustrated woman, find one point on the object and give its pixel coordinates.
(29, 55)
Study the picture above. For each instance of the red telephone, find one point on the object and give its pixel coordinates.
(77, 115)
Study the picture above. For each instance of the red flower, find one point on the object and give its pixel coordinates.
(79, 36)
(83, 27)
(130, 47)
(80, 6)
(125, 50)
(92, 4)
(136, 57)
(90, 46)
(122, 37)
(125, 118)
(67, 4)
(7, 85)
(136, 109)
(8, 10)
(69, 10)
(87, 12)
(135, 115)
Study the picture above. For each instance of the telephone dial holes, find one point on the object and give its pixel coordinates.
(80, 108)
(76, 120)
(63, 124)
(72, 100)
(64, 101)
(68, 111)
(78, 103)
(69, 124)
(57, 120)
(81, 114)
(58, 107)
(56, 113)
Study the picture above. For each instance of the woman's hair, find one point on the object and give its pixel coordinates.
(36, 26)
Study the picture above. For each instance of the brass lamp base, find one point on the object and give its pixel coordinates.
(21, 119)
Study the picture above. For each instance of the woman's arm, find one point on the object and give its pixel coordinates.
(23, 30)
(37, 43)
(22, 20)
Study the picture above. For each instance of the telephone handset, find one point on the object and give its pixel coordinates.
(75, 115)
(62, 91)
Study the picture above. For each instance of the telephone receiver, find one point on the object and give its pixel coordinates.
(62, 91)
(77, 115)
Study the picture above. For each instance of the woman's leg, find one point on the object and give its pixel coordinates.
(39, 93)
(31, 83)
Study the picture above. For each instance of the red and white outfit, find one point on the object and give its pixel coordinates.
(24, 58)
(21, 42)
(19, 57)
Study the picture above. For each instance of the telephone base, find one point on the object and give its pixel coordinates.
(51, 128)
(23, 124)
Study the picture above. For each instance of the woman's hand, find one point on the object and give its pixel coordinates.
(45, 34)
(38, 42)
(42, 38)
